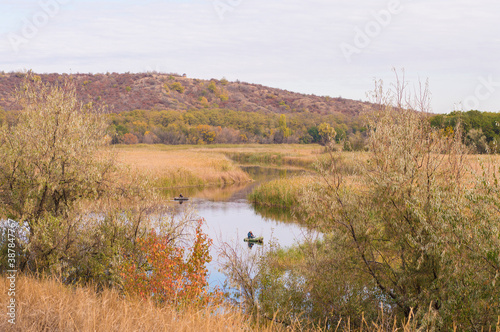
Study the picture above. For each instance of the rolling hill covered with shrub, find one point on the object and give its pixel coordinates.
(129, 91)
(174, 109)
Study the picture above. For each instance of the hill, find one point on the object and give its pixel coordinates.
(146, 91)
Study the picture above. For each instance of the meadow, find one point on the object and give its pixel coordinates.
(49, 305)
(180, 166)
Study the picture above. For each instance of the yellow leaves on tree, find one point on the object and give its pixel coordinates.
(207, 133)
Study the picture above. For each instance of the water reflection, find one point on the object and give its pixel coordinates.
(229, 216)
(251, 244)
(230, 221)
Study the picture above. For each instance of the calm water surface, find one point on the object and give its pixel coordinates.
(229, 217)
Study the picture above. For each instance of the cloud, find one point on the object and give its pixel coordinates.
(289, 44)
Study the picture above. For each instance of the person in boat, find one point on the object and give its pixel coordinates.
(250, 235)
(180, 196)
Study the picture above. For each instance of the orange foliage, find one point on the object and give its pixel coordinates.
(129, 138)
(168, 274)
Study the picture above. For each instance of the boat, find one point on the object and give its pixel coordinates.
(259, 239)
(181, 199)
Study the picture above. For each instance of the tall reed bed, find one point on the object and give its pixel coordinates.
(172, 168)
(271, 159)
(283, 193)
(276, 155)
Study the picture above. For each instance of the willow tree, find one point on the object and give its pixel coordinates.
(417, 230)
(411, 230)
(52, 156)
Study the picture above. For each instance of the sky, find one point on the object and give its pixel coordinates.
(331, 48)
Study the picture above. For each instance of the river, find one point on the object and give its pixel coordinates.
(229, 217)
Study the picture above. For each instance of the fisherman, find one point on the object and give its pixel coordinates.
(250, 235)
(180, 195)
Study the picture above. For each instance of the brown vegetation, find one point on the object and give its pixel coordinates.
(419, 236)
(48, 305)
(170, 167)
(128, 91)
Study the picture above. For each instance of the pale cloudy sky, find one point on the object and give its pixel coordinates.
(323, 47)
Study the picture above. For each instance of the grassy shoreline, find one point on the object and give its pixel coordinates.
(280, 193)
(174, 167)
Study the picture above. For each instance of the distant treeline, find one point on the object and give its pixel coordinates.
(481, 130)
(208, 126)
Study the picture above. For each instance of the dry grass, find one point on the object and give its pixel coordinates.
(283, 193)
(172, 167)
(187, 165)
(282, 155)
(476, 162)
(48, 305)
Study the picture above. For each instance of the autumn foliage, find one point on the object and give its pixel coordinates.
(168, 273)
(130, 139)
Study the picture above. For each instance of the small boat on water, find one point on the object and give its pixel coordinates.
(181, 199)
(259, 239)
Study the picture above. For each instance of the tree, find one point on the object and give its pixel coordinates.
(207, 133)
(327, 133)
(314, 133)
(282, 126)
(410, 232)
(477, 140)
(414, 234)
(130, 138)
(50, 156)
(53, 158)
(168, 273)
(177, 86)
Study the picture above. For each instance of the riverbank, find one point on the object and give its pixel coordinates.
(285, 193)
